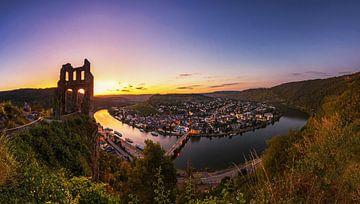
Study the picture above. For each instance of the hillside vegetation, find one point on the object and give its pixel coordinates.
(306, 95)
(321, 163)
(56, 163)
(167, 99)
(50, 163)
(11, 116)
(38, 98)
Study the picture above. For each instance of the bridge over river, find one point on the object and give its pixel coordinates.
(177, 146)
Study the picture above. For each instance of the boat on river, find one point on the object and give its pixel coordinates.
(108, 129)
(154, 134)
(118, 133)
(140, 147)
(129, 140)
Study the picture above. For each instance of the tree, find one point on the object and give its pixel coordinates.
(162, 196)
(143, 174)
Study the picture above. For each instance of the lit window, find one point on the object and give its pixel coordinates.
(82, 75)
(74, 76)
(66, 76)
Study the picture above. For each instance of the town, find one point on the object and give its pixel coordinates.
(217, 117)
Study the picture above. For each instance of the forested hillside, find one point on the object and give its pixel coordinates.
(45, 98)
(11, 116)
(321, 163)
(56, 163)
(306, 95)
(50, 163)
(166, 99)
(38, 98)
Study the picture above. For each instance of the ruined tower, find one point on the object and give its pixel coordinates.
(75, 90)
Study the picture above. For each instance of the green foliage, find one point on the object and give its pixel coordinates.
(11, 116)
(228, 195)
(38, 166)
(143, 109)
(190, 189)
(322, 162)
(7, 161)
(170, 99)
(162, 196)
(38, 98)
(281, 154)
(306, 95)
(66, 144)
(38, 184)
(113, 171)
(85, 191)
(145, 172)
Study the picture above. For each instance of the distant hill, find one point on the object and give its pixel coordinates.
(45, 98)
(104, 101)
(306, 95)
(176, 98)
(36, 97)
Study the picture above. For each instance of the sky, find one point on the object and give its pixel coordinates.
(140, 47)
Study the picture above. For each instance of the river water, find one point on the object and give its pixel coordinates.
(211, 153)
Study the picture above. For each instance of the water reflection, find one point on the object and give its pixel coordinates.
(213, 153)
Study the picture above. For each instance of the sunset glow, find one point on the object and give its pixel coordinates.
(174, 47)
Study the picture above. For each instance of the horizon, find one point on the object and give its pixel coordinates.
(139, 94)
(177, 47)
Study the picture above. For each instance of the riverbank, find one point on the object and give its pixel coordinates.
(232, 133)
(212, 153)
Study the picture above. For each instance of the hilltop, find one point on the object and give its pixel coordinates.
(45, 98)
(165, 99)
(42, 98)
(306, 95)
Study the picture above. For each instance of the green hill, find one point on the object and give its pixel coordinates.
(306, 95)
(45, 98)
(321, 163)
(41, 98)
(167, 99)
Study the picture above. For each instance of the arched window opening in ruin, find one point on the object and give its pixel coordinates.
(82, 75)
(74, 76)
(67, 76)
(69, 98)
(80, 99)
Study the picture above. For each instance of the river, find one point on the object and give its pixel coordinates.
(211, 153)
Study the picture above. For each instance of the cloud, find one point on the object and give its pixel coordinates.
(125, 90)
(188, 87)
(224, 85)
(184, 75)
(141, 88)
(295, 74)
(344, 72)
(317, 73)
(311, 73)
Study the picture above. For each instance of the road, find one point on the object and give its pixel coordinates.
(123, 153)
(217, 177)
(133, 151)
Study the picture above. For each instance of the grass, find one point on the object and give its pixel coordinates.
(8, 163)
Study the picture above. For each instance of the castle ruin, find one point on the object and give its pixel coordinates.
(75, 90)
